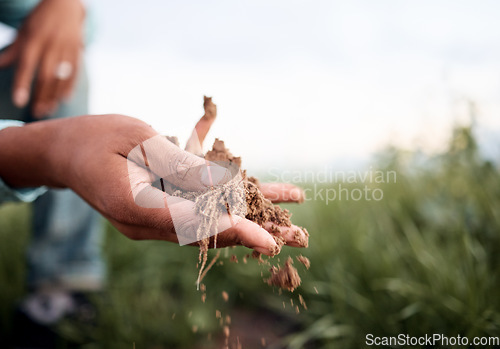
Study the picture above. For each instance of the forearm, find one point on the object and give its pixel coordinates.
(25, 155)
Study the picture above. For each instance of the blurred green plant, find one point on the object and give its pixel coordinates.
(423, 260)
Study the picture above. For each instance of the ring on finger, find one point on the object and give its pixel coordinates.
(64, 70)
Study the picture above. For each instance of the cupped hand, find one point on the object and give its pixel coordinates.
(93, 158)
(46, 51)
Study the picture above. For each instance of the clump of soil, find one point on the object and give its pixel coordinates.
(285, 276)
(259, 209)
(304, 260)
(219, 152)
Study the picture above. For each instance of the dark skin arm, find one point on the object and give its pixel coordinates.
(88, 154)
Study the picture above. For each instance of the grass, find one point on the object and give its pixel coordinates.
(423, 260)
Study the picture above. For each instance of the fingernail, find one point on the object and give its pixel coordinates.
(298, 195)
(267, 251)
(20, 97)
(212, 175)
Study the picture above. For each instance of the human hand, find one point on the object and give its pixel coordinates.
(48, 45)
(89, 155)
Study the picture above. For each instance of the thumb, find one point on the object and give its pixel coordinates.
(9, 55)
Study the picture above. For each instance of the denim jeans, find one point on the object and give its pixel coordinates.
(64, 250)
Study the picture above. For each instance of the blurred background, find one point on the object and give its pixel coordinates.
(411, 87)
(321, 82)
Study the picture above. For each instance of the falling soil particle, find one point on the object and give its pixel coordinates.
(195, 329)
(316, 290)
(285, 276)
(263, 341)
(225, 296)
(218, 314)
(226, 331)
(228, 320)
(203, 297)
(302, 301)
(233, 259)
(258, 256)
(304, 260)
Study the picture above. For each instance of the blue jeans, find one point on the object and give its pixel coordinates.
(64, 250)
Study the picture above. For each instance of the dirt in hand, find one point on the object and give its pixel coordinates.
(219, 152)
(261, 211)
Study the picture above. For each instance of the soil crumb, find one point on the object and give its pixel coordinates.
(302, 301)
(225, 296)
(304, 260)
(219, 152)
(285, 276)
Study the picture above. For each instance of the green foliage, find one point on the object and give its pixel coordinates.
(422, 260)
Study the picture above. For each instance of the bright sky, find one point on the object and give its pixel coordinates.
(301, 84)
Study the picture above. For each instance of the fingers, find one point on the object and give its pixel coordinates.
(24, 74)
(10, 54)
(195, 142)
(55, 79)
(249, 234)
(282, 192)
(293, 236)
(156, 215)
(67, 87)
(45, 83)
(63, 87)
